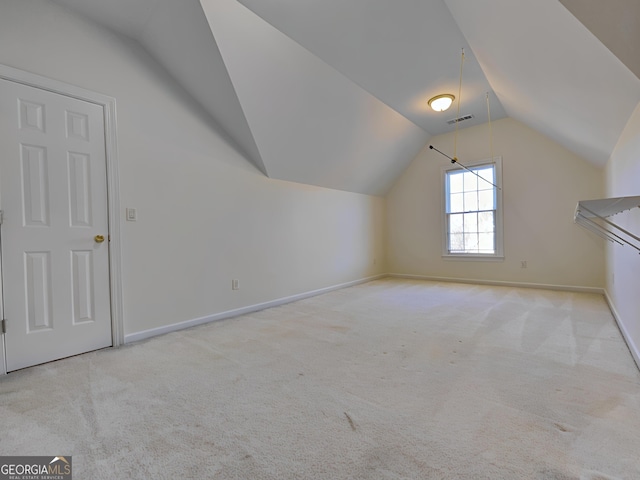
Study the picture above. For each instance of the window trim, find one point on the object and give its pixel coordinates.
(499, 254)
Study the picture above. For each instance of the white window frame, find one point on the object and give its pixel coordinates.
(499, 232)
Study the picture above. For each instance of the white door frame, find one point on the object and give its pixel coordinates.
(108, 105)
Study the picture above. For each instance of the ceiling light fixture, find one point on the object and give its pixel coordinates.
(440, 103)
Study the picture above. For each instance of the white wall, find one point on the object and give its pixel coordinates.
(623, 263)
(542, 182)
(205, 214)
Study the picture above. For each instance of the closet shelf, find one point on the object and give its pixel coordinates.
(591, 214)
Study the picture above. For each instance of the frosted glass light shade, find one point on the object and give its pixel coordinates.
(440, 103)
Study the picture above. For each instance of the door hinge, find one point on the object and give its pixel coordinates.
(4, 326)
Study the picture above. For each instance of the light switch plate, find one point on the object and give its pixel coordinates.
(132, 215)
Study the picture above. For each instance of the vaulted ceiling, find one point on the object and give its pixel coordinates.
(334, 92)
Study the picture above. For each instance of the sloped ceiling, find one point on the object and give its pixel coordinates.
(178, 36)
(311, 124)
(550, 72)
(616, 23)
(334, 92)
(404, 53)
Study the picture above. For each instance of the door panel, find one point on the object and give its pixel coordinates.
(54, 198)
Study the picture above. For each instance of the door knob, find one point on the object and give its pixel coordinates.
(99, 238)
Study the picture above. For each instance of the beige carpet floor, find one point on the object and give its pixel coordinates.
(393, 379)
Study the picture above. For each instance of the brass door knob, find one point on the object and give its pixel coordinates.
(99, 238)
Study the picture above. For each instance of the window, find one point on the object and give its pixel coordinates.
(473, 216)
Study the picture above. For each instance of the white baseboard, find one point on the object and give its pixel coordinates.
(633, 348)
(500, 283)
(135, 337)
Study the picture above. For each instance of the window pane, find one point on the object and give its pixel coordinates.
(470, 181)
(455, 182)
(488, 174)
(487, 242)
(486, 223)
(455, 223)
(471, 242)
(470, 201)
(470, 222)
(486, 200)
(456, 203)
(456, 243)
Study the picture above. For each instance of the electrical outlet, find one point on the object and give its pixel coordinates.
(523, 264)
(235, 284)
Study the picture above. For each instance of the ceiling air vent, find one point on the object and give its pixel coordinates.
(459, 119)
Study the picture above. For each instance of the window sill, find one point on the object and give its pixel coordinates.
(466, 257)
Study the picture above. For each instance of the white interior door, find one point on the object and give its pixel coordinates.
(53, 194)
